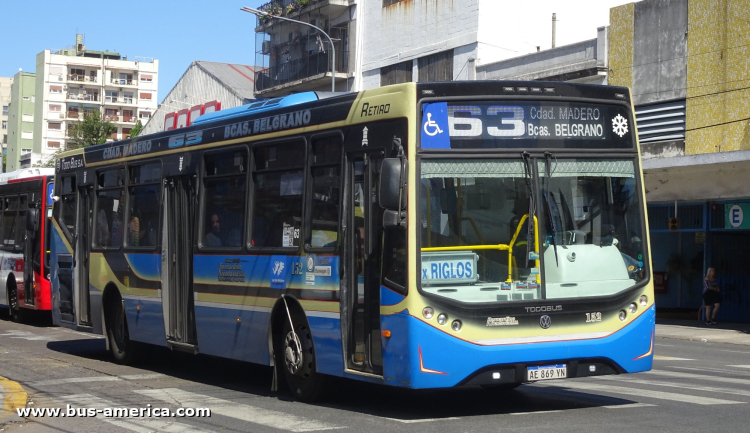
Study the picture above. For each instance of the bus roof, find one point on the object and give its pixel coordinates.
(25, 173)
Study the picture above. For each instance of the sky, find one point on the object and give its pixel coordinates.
(176, 32)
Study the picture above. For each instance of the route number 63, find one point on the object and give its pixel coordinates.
(472, 125)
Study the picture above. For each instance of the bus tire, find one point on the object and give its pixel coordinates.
(301, 376)
(14, 308)
(123, 350)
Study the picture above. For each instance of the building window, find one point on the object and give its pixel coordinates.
(55, 89)
(437, 67)
(77, 74)
(145, 96)
(128, 97)
(56, 108)
(5, 124)
(27, 117)
(111, 96)
(53, 144)
(145, 115)
(126, 132)
(26, 98)
(5, 110)
(390, 2)
(5, 138)
(147, 77)
(395, 74)
(27, 135)
(56, 126)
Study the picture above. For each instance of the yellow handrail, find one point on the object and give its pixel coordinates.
(499, 247)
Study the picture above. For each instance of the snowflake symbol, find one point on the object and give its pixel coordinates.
(620, 125)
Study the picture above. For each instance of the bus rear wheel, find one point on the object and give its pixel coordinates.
(123, 350)
(14, 308)
(297, 359)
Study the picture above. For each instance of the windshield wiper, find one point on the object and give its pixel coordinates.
(529, 174)
(548, 162)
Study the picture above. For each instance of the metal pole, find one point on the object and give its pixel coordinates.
(554, 28)
(333, 48)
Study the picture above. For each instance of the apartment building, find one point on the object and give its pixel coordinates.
(5, 91)
(20, 120)
(75, 81)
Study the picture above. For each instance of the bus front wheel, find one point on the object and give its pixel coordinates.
(297, 359)
(123, 350)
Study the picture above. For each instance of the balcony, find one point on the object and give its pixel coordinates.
(294, 8)
(122, 82)
(84, 79)
(303, 74)
(109, 100)
(82, 97)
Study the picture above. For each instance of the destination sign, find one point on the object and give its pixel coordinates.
(450, 267)
(542, 124)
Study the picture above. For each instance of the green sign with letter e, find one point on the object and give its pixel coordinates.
(737, 216)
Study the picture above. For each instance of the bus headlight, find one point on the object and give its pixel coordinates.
(427, 312)
(456, 325)
(623, 314)
(644, 300)
(633, 307)
(442, 318)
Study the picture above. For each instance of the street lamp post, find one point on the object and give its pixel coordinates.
(259, 13)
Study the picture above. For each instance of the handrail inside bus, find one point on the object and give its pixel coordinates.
(499, 247)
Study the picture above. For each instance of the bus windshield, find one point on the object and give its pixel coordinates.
(491, 232)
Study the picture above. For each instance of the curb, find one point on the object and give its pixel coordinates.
(14, 397)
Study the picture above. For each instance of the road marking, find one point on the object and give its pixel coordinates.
(14, 397)
(232, 409)
(27, 336)
(535, 413)
(415, 421)
(739, 366)
(671, 358)
(741, 392)
(142, 376)
(588, 386)
(629, 406)
(140, 425)
(736, 351)
(698, 376)
(74, 380)
(714, 370)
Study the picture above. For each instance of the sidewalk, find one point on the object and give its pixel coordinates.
(693, 330)
(12, 396)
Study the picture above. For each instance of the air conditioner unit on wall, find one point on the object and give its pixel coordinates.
(266, 47)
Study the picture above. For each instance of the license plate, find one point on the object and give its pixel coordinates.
(544, 372)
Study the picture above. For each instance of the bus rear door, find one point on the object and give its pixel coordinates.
(178, 237)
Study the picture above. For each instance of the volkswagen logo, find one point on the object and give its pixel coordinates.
(545, 322)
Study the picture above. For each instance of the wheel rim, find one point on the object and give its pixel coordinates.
(292, 354)
(13, 300)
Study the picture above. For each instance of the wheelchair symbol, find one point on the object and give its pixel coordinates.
(431, 123)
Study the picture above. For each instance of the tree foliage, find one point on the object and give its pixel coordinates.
(136, 129)
(91, 130)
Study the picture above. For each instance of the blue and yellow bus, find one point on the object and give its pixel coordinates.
(420, 235)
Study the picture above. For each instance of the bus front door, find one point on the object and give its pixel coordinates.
(82, 246)
(177, 262)
(363, 244)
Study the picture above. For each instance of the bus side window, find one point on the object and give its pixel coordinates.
(278, 179)
(108, 220)
(326, 195)
(224, 185)
(144, 205)
(67, 204)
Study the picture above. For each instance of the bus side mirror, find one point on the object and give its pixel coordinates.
(392, 196)
(32, 220)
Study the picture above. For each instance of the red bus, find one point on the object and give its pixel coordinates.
(25, 211)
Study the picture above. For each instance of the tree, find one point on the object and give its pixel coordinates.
(136, 129)
(87, 132)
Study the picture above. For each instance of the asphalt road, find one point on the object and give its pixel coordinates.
(694, 387)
